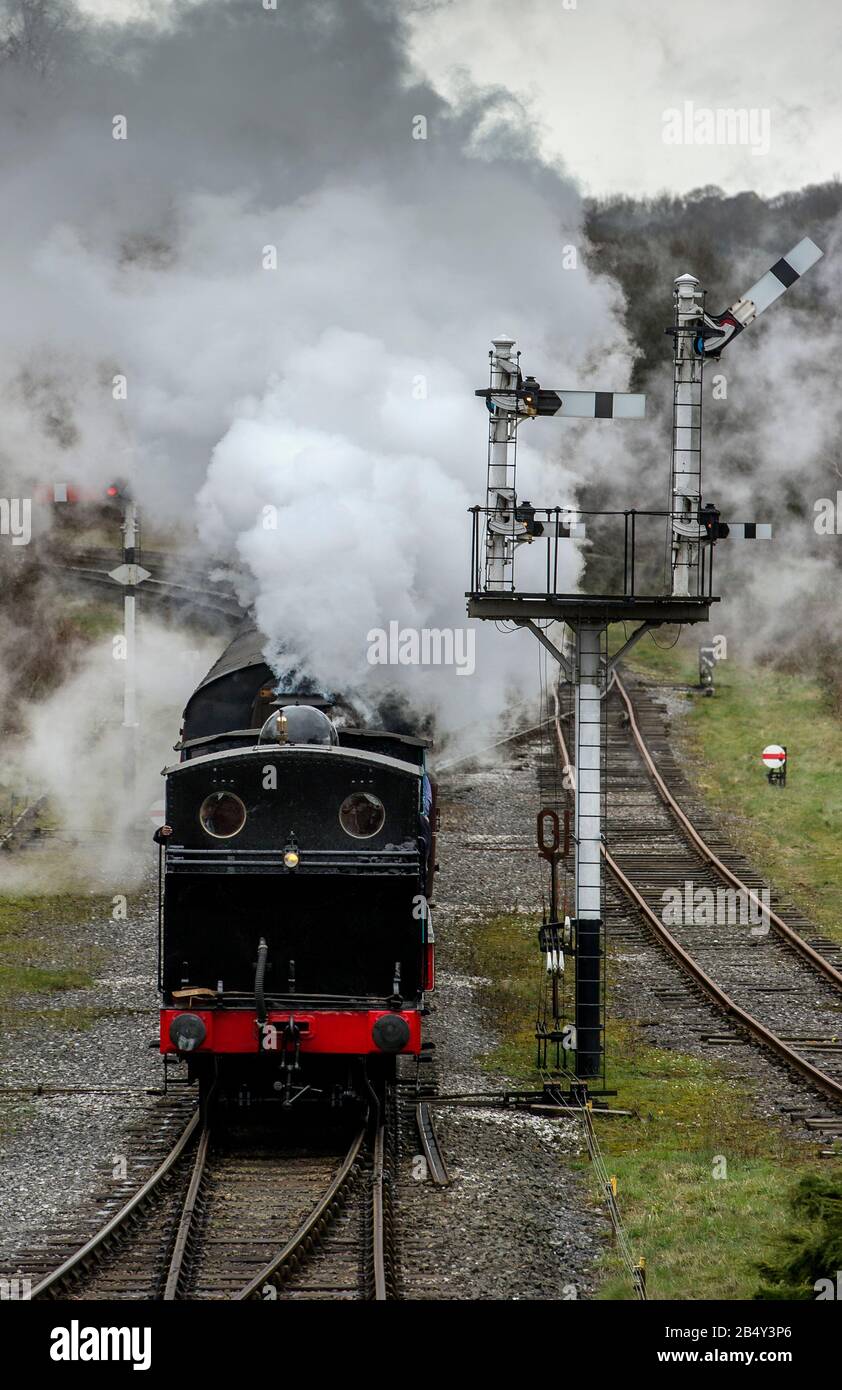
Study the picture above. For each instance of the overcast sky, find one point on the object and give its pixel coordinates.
(598, 75)
(598, 78)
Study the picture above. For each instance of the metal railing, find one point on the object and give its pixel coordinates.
(628, 551)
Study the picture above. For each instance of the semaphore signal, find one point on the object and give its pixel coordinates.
(693, 529)
(698, 336)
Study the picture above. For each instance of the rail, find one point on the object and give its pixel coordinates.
(710, 857)
(739, 1016)
(304, 1240)
(98, 1243)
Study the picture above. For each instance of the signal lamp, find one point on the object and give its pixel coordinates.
(529, 395)
(119, 488)
(709, 521)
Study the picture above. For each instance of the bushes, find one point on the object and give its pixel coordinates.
(813, 1251)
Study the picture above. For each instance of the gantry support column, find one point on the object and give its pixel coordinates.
(589, 773)
(500, 490)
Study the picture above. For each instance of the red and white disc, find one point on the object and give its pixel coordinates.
(774, 755)
(157, 813)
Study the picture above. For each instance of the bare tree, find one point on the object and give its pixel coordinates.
(33, 33)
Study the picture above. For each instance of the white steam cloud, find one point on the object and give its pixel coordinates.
(337, 388)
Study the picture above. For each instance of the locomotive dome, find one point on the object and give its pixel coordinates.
(298, 724)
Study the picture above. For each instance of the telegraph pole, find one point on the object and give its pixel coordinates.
(131, 575)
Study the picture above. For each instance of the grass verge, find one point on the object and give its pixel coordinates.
(37, 954)
(703, 1183)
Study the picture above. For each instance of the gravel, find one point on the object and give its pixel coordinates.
(519, 1220)
(68, 1157)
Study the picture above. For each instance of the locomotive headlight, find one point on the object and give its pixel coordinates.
(291, 858)
(187, 1032)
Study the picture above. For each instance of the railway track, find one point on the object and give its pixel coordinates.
(24, 824)
(729, 866)
(240, 1212)
(173, 583)
(774, 988)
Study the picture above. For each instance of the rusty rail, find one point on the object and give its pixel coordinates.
(306, 1238)
(173, 1288)
(791, 937)
(757, 1030)
(93, 1249)
(434, 1158)
(378, 1217)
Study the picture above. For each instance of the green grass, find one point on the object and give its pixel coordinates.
(812, 1250)
(503, 952)
(671, 664)
(793, 835)
(36, 954)
(65, 1018)
(701, 1236)
(40, 960)
(30, 979)
(664, 655)
(25, 916)
(90, 621)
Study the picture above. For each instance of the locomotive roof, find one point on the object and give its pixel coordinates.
(245, 649)
(348, 733)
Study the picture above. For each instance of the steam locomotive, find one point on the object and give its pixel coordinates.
(295, 939)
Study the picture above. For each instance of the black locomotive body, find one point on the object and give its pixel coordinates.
(296, 944)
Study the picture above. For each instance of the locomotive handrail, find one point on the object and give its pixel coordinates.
(382, 862)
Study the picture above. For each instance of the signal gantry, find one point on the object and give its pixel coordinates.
(693, 527)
